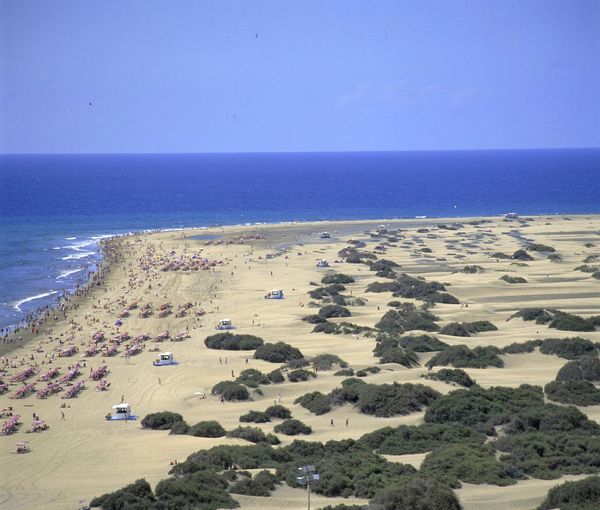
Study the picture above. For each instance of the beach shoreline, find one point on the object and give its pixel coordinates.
(243, 263)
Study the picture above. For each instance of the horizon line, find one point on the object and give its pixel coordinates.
(291, 152)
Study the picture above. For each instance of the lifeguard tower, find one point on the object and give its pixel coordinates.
(164, 359)
(121, 412)
(224, 325)
(274, 294)
(322, 263)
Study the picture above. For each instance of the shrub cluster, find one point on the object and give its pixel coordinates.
(209, 428)
(580, 495)
(329, 311)
(460, 356)
(407, 318)
(452, 376)
(161, 421)
(472, 269)
(541, 248)
(253, 435)
(262, 484)
(467, 328)
(384, 268)
(327, 361)
(521, 347)
(300, 375)
(292, 427)
(337, 278)
(558, 319)
(278, 411)
(231, 390)
(255, 417)
(279, 352)
(513, 279)
(414, 288)
(521, 255)
(569, 348)
(233, 342)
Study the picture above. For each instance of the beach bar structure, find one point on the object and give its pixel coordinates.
(324, 235)
(164, 359)
(274, 294)
(224, 325)
(322, 263)
(121, 412)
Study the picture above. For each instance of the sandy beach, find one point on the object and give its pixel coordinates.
(225, 273)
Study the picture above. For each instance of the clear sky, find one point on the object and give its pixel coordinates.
(337, 75)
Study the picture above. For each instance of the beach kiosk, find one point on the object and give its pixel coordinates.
(274, 294)
(324, 235)
(224, 325)
(322, 263)
(164, 359)
(121, 412)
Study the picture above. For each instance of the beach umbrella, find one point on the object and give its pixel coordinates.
(118, 323)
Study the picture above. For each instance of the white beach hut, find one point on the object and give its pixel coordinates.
(225, 324)
(121, 412)
(322, 263)
(164, 359)
(274, 294)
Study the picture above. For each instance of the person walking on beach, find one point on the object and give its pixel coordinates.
(331, 424)
(122, 398)
(62, 415)
(346, 422)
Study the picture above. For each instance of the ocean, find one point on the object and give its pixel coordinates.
(55, 208)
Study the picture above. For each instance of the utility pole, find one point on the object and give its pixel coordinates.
(309, 474)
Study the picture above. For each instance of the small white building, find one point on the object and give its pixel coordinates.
(324, 235)
(274, 294)
(121, 412)
(322, 263)
(165, 358)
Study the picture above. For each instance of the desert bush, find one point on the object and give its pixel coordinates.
(415, 493)
(406, 439)
(292, 427)
(449, 375)
(300, 375)
(329, 311)
(580, 495)
(467, 328)
(161, 421)
(513, 279)
(393, 399)
(554, 257)
(314, 319)
(253, 435)
(346, 372)
(500, 255)
(414, 288)
(278, 411)
(522, 347)
(578, 393)
(230, 390)
(252, 378)
(316, 402)
(569, 348)
(407, 318)
(471, 464)
(472, 269)
(590, 368)
(254, 417)
(209, 428)
(455, 329)
(179, 428)
(400, 356)
(137, 495)
(233, 342)
(293, 364)
(541, 248)
(327, 361)
(366, 371)
(585, 268)
(521, 255)
(279, 352)
(421, 343)
(262, 484)
(275, 376)
(460, 356)
(337, 278)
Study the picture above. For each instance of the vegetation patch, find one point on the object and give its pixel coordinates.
(262, 484)
(452, 376)
(521, 347)
(230, 390)
(208, 428)
(414, 288)
(327, 362)
(316, 402)
(569, 348)
(580, 495)
(337, 278)
(416, 493)
(540, 248)
(233, 342)
(300, 375)
(161, 421)
(255, 417)
(578, 393)
(472, 269)
(521, 255)
(279, 352)
(329, 311)
(278, 411)
(292, 427)
(557, 319)
(460, 356)
(253, 435)
(513, 279)
(407, 318)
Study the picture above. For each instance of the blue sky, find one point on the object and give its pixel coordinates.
(250, 76)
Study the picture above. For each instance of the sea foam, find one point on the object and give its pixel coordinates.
(17, 305)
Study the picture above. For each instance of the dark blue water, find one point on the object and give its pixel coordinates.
(53, 208)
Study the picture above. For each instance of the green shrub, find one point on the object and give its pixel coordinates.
(204, 489)
(255, 417)
(580, 495)
(416, 493)
(262, 484)
(253, 435)
(314, 319)
(472, 269)
(337, 278)
(578, 393)
(587, 269)
(316, 402)
(513, 279)
(520, 348)
(569, 348)
(500, 255)
(407, 318)
(346, 372)
(455, 329)
(386, 400)
(400, 356)
(460, 356)
(366, 371)
(471, 464)
(421, 343)
(137, 495)
(252, 378)
(467, 328)
(276, 376)
(329, 311)
(414, 288)
(179, 428)
(327, 361)
(449, 375)
(208, 428)
(406, 439)
(300, 375)
(521, 255)
(293, 364)
(233, 342)
(235, 392)
(161, 421)
(541, 248)
(554, 257)
(279, 352)
(292, 427)
(590, 368)
(278, 411)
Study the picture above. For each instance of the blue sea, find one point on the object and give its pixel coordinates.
(55, 208)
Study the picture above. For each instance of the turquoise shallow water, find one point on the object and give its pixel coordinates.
(53, 209)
